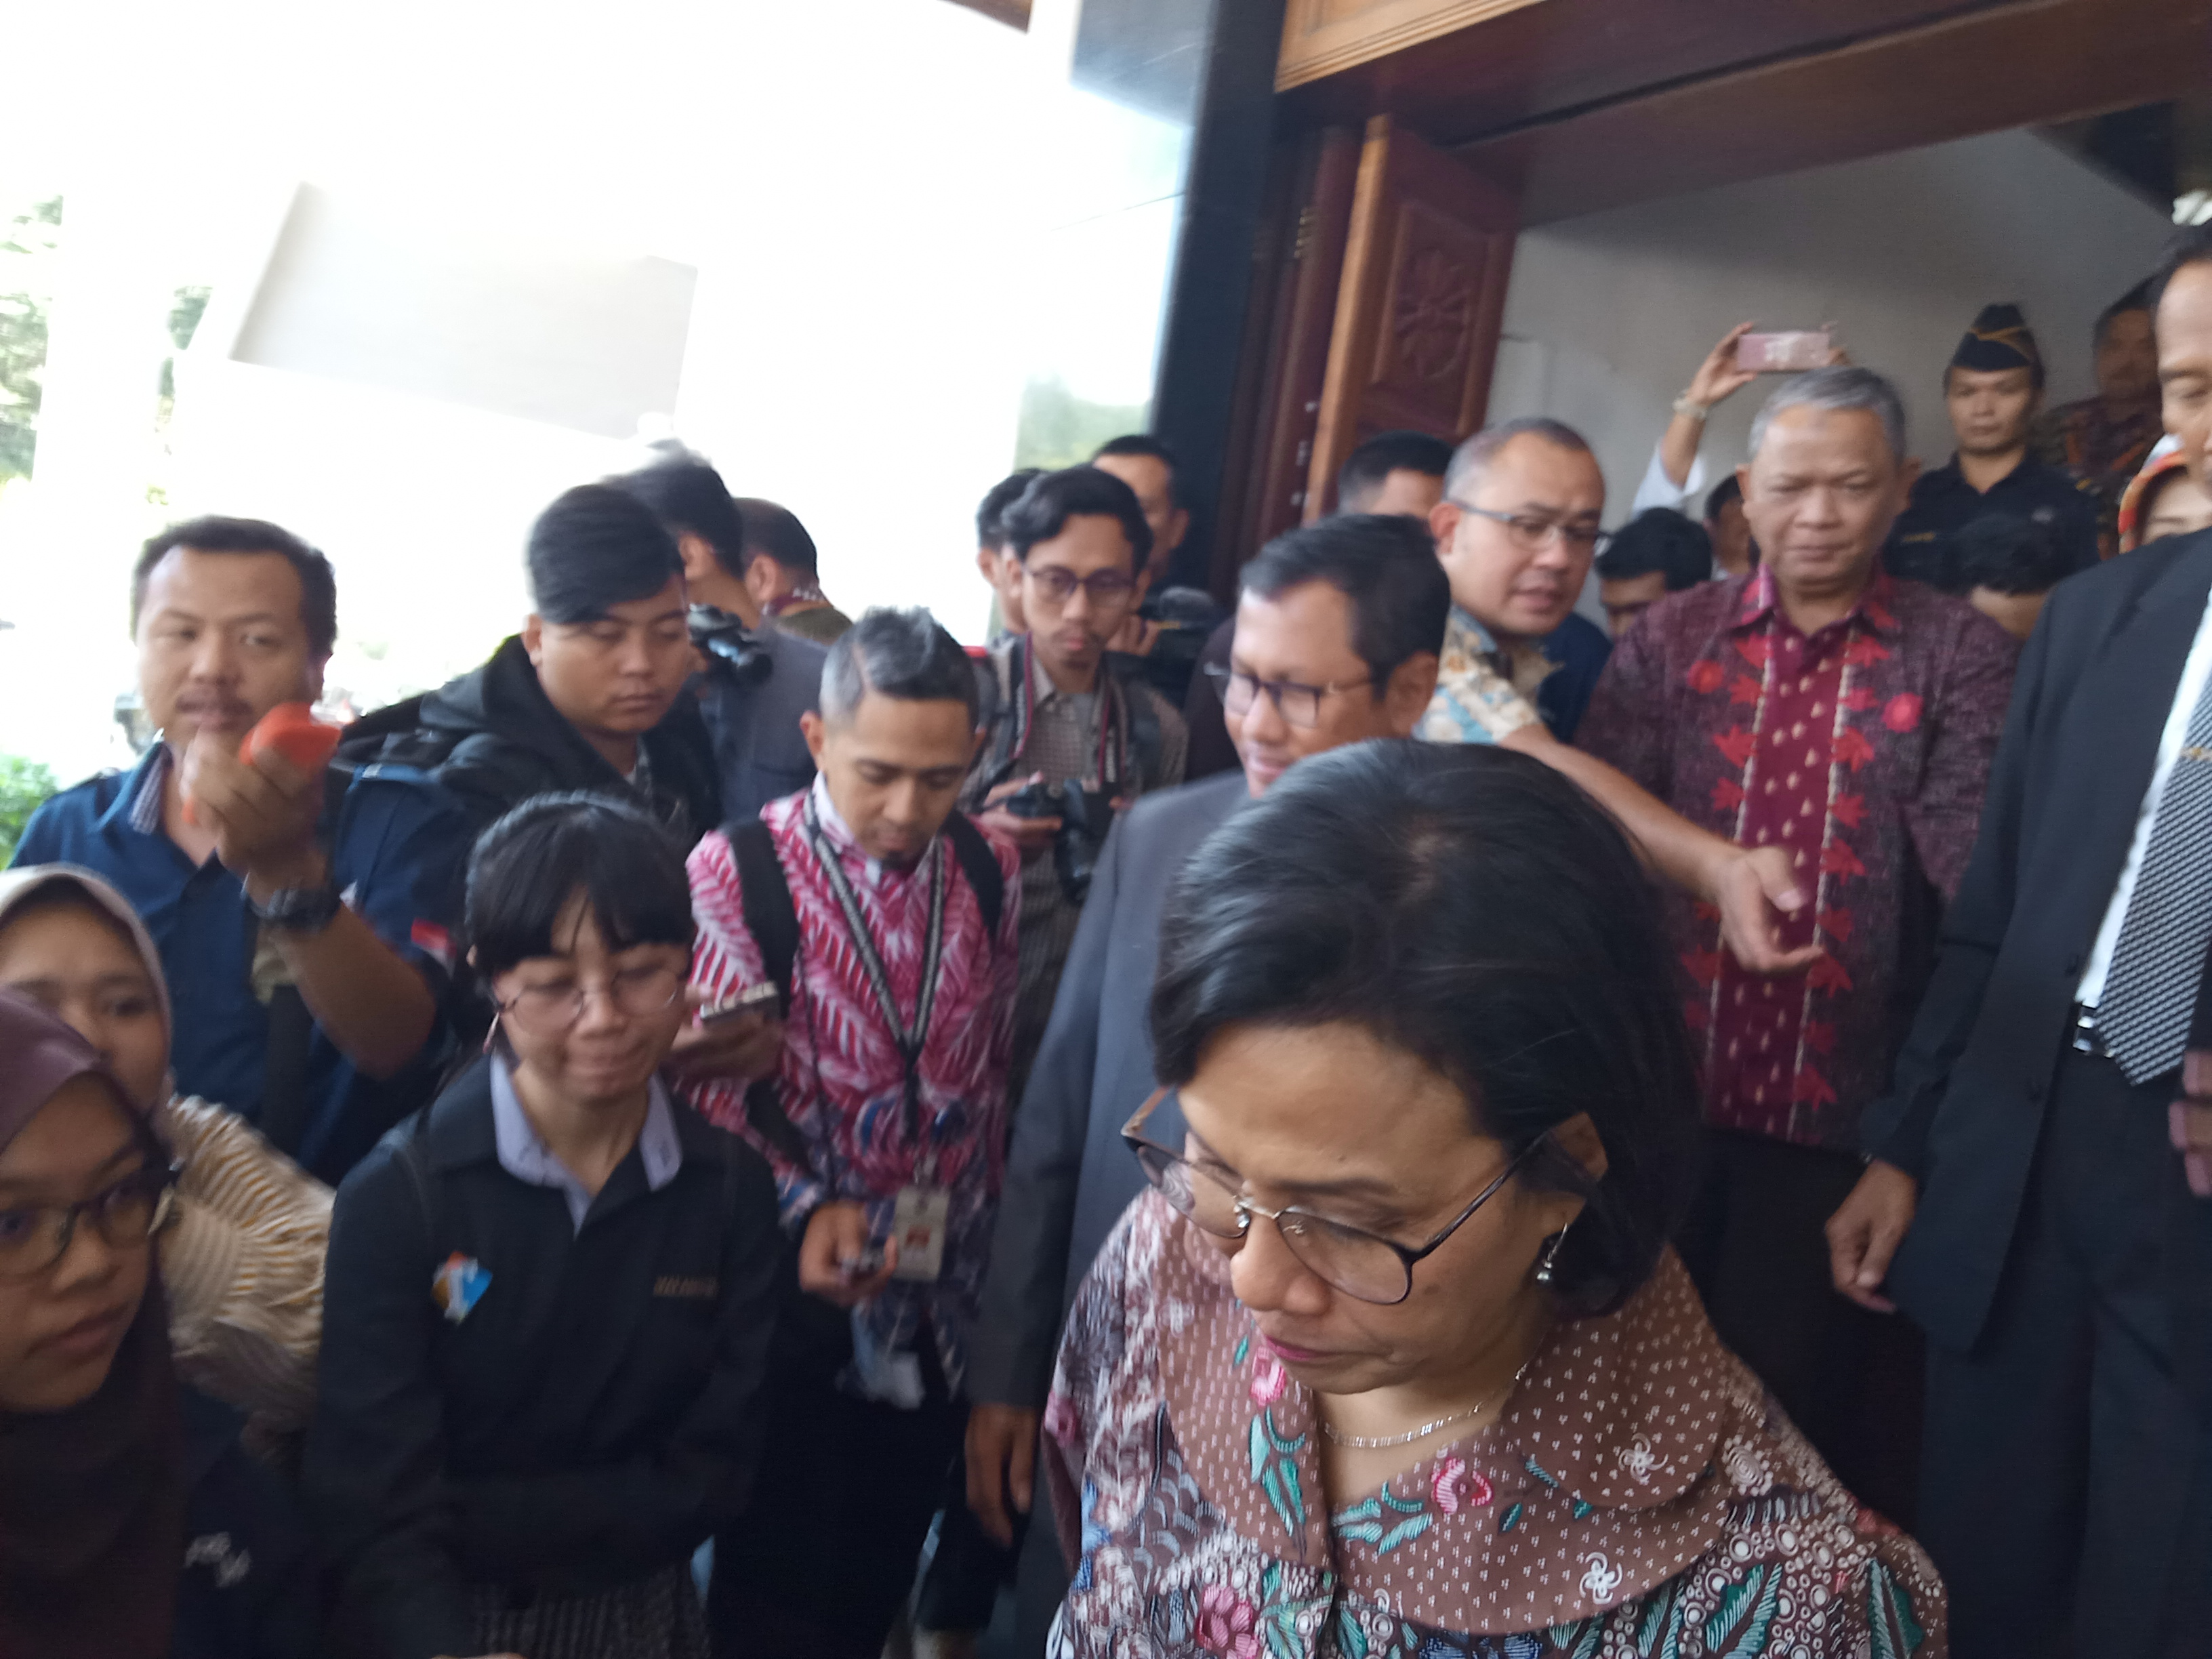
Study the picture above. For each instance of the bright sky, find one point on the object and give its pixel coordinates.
(897, 209)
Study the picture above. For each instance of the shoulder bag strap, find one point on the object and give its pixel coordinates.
(773, 920)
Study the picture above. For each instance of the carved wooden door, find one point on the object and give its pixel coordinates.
(1418, 305)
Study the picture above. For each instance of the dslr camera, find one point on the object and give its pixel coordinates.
(1084, 815)
(730, 649)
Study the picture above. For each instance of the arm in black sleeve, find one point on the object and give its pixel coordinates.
(1010, 1363)
(619, 1521)
(374, 1474)
(1895, 1127)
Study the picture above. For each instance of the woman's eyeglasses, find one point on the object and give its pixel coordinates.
(33, 1239)
(1363, 1264)
(1298, 705)
(551, 1007)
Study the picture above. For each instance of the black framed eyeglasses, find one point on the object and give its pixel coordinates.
(35, 1237)
(1107, 588)
(1300, 705)
(1530, 531)
(1363, 1264)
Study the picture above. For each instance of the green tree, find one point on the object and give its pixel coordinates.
(1059, 429)
(24, 786)
(26, 250)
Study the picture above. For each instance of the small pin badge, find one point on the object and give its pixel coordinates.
(457, 1286)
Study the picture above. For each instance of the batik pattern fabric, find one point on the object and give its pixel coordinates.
(657, 1617)
(2167, 459)
(841, 1077)
(1863, 751)
(2102, 449)
(1484, 693)
(1640, 1495)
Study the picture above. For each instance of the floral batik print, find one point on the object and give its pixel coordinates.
(1640, 1495)
(1862, 750)
(1483, 694)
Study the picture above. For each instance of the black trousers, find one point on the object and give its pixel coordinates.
(2065, 1498)
(960, 1591)
(1756, 1244)
(826, 1556)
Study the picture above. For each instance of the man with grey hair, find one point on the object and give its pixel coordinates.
(1515, 532)
(882, 922)
(1817, 707)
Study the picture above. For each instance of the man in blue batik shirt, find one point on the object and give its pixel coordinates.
(304, 918)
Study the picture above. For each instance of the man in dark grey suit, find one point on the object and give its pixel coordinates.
(2059, 1251)
(1337, 636)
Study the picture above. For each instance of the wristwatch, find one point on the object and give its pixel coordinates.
(1686, 404)
(298, 909)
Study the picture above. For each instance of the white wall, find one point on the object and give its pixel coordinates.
(1607, 315)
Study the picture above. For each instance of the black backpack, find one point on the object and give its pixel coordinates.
(773, 921)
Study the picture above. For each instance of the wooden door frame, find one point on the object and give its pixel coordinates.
(1359, 320)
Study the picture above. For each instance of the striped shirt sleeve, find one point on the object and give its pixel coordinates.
(242, 1263)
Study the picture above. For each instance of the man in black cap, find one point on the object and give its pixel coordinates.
(1992, 389)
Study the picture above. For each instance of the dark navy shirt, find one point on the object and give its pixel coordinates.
(1581, 648)
(1943, 502)
(398, 845)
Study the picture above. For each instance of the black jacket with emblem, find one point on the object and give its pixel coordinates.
(250, 1588)
(593, 1419)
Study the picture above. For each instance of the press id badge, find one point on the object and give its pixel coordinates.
(918, 1221)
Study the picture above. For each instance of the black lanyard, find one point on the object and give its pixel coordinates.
(911, 1039)
(1112, 760)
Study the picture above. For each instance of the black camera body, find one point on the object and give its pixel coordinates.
(730, 649)
(1084, 815)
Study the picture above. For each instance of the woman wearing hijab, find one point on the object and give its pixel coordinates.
(1395, 1362)
(132, 1526)
(242, 1262)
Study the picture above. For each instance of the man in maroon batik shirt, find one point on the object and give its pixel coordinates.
(1819, 705)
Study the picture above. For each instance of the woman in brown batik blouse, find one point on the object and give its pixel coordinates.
(1395, 1362)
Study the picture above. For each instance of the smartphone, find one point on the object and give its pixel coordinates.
(751, 998)
(866, 1265)
(1786, 352)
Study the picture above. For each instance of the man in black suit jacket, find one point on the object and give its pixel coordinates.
(2055, 1254)
(1337, 640)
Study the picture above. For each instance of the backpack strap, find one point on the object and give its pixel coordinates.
(414, 1156)
(770, 917)
(773, 920)
(994, 684)
(980, 865)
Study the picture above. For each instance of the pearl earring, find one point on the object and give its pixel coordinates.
(1551, 1255)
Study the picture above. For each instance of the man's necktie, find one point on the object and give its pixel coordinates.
(2143, 1013)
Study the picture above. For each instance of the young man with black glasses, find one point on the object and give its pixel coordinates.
(1060, 710)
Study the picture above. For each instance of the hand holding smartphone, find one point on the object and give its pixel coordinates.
(1788, 351)
(762, 996)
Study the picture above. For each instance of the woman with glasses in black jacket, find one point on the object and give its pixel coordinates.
(549, 1296)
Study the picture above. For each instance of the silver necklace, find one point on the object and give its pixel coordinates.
(1384, 1443)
